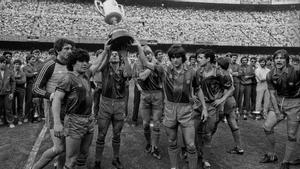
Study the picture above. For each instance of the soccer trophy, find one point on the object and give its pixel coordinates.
(113, 13)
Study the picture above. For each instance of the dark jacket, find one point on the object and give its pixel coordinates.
(7, 82)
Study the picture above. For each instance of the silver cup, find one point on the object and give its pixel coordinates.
(110, 10)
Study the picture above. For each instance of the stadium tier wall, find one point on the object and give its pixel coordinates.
(45, 46)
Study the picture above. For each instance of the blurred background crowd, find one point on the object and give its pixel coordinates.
(79, 19)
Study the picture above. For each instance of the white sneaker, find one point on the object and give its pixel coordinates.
(19, 123)
(55, 165)
(36, 115)
(256, 112)
(25, 120)
(12, 126)
(206, 164)
(225, 121)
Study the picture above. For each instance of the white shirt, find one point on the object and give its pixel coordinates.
(261, 74)
(2, 73)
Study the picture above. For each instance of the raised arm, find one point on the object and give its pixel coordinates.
(144, 74)
(142, 56)
(101, 61)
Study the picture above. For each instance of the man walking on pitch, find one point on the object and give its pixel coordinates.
(44, 86)
(151, 104)
(177, 83)
(112, 105)
(284, 87)
(73, 99)
(217, 86)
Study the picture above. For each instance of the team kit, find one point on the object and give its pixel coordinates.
(191, 97)
(178, 95)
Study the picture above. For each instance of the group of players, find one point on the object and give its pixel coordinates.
(196, 99)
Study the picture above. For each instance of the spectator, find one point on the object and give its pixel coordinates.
(38, 61)
(235, 71)
(7, 90)
(253, 61)
(193, 62)
(296, 62)
(246, 74)
(30, 71)
(8, 56)
(38, 102)
(19, 94)
(159, 54)
(52, 55)
(262, 95)
(270, 62)
(137, 66)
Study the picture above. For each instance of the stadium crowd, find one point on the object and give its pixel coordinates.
(80, 20)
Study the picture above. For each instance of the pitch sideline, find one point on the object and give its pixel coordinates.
(35, 148)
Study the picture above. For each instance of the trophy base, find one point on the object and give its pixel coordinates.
(120, 38)
(121, 42)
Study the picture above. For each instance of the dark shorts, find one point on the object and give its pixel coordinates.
(151, 104)
(289, 107)
(77, 126)
(113, 109)
(178, 113)
(229, 105)
(215, 112)
(214, 116)
(49, 115)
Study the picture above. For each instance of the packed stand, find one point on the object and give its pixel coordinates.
(165, 24)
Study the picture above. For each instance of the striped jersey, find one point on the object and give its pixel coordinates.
(50, 75)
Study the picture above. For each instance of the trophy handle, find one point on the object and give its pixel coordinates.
(99, 6)
(122, 9)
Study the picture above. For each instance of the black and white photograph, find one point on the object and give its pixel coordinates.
(149, 84)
